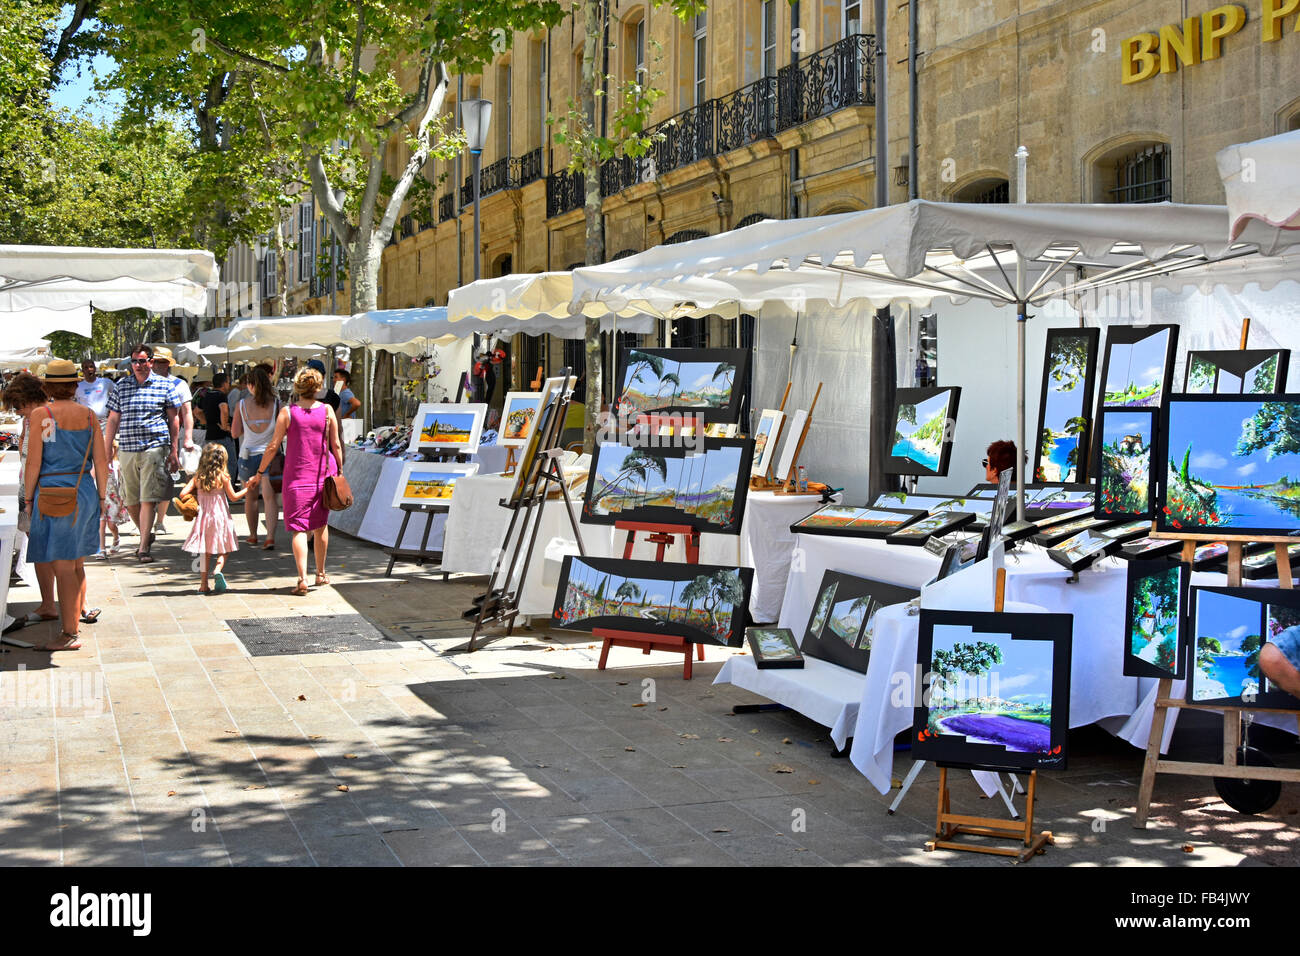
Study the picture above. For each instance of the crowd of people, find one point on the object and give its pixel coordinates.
(97, 453)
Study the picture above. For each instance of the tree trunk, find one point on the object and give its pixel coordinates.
(363, 272)
(595, 246)
(281, 267)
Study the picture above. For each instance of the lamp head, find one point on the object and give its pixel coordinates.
(476, 115)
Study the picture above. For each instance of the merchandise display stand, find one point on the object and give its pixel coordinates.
(1231, 768)
(662, 536)
(949, 825)
(422, 554)
(499, 605)
(791, 484)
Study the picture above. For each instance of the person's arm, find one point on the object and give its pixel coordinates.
(273, 446)
(232, 494)
(101, 455)
(173, 430)
(189, 487)
(110, 429)
(335, 445)
(187, 421)
(236, 428)
(224, 410)
(353, 404)
(200, 416)
(35, 447)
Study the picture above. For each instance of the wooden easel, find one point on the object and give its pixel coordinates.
(949, 825)
(511, 461)
(662, 536)
(421, 554)
(791, 486)
(764, 481)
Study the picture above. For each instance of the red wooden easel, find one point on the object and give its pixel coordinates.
(662, 536)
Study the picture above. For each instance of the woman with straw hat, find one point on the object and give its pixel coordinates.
(65, 527)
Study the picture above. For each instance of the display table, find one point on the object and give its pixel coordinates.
(821, 691)
(767, 545)
(8, 534)
(362, 470)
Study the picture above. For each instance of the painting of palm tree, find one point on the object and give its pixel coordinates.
(699, 380)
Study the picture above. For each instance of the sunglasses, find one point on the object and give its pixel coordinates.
(141, 361)
(984, 463)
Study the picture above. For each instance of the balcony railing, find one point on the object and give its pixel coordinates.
(408, 227)
(446, 207)
(509, 172)
(841, 75)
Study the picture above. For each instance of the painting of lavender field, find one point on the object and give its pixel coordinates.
(923, 426)
(707, 381)
(1237, 372)
(1066, 405)
(1227, 633)
(997, 696)
(702, 603)
(1124, 473)
(1155, 605)
(1234, 465)
(705, 490)
(1137, 365)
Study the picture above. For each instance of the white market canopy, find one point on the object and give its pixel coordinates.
(291, 331)
(67, 277)
(1263, 190)
(26, 329)
(399, 330)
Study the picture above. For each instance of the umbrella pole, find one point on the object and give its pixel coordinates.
(1022, 196)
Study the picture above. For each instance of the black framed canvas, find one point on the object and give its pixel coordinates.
(997, 692)
(773, 648)
(1002, 506)
(1065, 405)
(709, 383)
(1240, 372)
(704, 604)
(1228, 626)
(1232, 465)
(1125, 464)
(932, 503)
(856, 522)
(1055, 497)
(704, 488)
(1082, 550)
(1056, 533)
(1263, 566)
(1055, 519)
(841, 626)
(957, 556)
(1146, 548)
(1127, 530)
(1139, 367)
(939, 523)
(924, 422)
(1210, 556)
(1154, 631)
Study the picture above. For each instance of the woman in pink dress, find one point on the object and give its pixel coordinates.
(313, 453)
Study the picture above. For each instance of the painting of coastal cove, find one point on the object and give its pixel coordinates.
(998, 689)
(1066, 404)
(1227, 629)
(1138, 363)
(1156, 592)
(707, 381)
(923, 427)
(1237, 372)
(700, 603)
(1124, 471)
(1233, 465)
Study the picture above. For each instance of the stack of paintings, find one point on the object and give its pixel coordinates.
(842, 625)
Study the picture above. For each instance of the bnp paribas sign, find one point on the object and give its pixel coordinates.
(1202, 38)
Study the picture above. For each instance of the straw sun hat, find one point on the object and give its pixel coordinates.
(61, 370)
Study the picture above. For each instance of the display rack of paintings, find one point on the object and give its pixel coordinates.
(710, 383)
(1139, 365)
(842, 625)
(550, 422)
(448, 427)
(925, 421)
(519, 417)
(703, 489)
(980, 507)
(1237, 372)
(1153, 622)
(1126, 461)
(856, 522)
(938, 524)
(773, 648)
(1065, 405)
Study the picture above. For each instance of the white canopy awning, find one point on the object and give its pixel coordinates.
(25, 358)
(65, 277)
(291, 331)
(405, 329)
(26, 329)
(1263, 190)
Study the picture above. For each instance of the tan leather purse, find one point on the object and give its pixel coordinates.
(61, 502)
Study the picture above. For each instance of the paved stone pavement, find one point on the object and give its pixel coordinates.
(163, 742)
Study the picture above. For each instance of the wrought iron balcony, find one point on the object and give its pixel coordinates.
(446, 207)
(527, 168)
(510, 172)
(408, 226)
(831, 79)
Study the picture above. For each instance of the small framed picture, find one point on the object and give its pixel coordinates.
(773, 647)
(1082, 550)
(939, 523)
(448, 427)
(766, 436)
(519, 418)
(1153, 627)
(429, 483)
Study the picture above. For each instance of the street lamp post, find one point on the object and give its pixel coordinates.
(476, 115)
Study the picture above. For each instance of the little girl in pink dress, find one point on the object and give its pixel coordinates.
(213, 532)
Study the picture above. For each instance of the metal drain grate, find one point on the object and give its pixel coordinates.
(310, 634)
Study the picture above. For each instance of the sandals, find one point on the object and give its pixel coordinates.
(269, 546)
(322, 580)
(34, 618)
(144, 557)
(301, 589)
(91, 616)
(66, 642)
(251, 539)
(218, 582)
(205, 590)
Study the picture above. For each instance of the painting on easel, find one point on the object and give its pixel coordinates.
(1065, 405)
(548, 428)
(430, 483)
(707, 382)
(1153, 626)
(1139, 366)
(1237, 372)
(447, 427)
(999, 689)
(518, 418)
(765, 439)
(924, 422)
(1229, 628)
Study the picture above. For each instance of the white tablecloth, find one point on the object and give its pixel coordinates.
(767, 544)
(821, 691)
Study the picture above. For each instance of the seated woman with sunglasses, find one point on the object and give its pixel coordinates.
(1001, 456)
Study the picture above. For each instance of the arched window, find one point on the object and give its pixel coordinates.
(1133, 172)
(685, 235)
(753, 218)
(989, 190)
(622, 255)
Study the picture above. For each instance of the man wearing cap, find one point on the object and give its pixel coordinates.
(93, 391)
(325, 394)
(162, 365)
(143, 414)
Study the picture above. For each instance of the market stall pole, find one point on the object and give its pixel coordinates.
(949, 825)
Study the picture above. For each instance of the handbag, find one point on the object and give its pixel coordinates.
(336, 493)
(61, 502)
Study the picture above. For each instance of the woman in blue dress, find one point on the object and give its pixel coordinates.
(65, 449)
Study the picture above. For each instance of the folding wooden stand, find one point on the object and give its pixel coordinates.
(949, 825)
(791, 484)
(764, 481)
(422, 554)
(511, 461)
(662, 536)
(1230, 767)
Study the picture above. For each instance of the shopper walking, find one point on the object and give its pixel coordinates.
(24, 394)
(69, 453)
(253, 423)
(213, 534)
(143, 415)
(162, 365)
(313, 453)
(94, 390)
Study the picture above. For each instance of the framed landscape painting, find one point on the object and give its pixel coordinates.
(707, 382)
(841, 628)
(1082, 550)
(429, 483)
(544, 435)
(448, 427)
(1153, 624)
(773, 648)
(855, 521)
(1126, 463)
(924, 422)
(1065, 405)
(1232, 465)
(937, 524)
(766, 436)
(1229, 626)
(999, 690)
(1138, 371)
(518, 418)
(1241, 372)
(704, 489)
(701, 603)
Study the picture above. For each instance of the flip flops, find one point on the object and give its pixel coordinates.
(218, 583)
(33, 618)
(66, 642)
(91, 616)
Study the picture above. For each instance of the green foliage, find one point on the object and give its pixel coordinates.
(1266, 376)
(973, 659)
(1183, 472)
(907, 413)
(1068, 361)
(1275, 427)
(1206, 649)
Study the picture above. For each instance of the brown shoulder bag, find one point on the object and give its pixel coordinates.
(336, 494)
(61, 502)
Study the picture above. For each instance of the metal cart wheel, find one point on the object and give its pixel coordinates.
(1249, 796)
